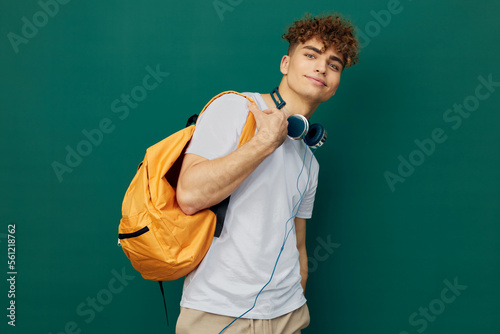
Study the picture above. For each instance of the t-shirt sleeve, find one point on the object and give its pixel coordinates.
(306, 206)
(219, 128)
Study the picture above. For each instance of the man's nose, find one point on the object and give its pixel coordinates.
(320, 67)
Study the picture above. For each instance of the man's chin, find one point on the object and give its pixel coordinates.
(316, 97)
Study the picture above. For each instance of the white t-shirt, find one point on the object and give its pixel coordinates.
(240, 262)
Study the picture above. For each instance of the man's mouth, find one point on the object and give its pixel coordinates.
(316, 81)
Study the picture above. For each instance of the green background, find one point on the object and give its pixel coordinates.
(393, 248)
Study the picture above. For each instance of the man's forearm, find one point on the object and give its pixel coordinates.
(304, 268)
(204, 183)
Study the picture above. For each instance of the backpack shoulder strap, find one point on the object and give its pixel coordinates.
(250, 125)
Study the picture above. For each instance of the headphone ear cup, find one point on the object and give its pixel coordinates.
(298, 126)
(316, 136)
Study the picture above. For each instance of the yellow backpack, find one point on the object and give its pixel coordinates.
(160, 240)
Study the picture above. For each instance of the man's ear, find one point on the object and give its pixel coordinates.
(284, 64)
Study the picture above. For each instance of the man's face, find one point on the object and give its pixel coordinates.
(311, 72)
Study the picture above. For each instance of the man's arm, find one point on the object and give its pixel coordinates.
(300, 231)
(203, 183)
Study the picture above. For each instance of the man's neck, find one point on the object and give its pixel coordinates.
(295, 104)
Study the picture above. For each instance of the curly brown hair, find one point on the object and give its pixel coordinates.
(332, 29)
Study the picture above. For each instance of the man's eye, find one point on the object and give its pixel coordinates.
(335, 67)
(310, 56)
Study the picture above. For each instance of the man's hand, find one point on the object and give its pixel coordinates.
(271, 125)
(203, 183)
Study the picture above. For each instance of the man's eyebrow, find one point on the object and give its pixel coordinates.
(334, 58)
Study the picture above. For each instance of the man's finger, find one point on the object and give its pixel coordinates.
(254, 109)
(268, 111)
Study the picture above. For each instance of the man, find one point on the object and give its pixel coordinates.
(267, 191)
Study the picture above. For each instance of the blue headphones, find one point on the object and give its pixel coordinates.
(298, 126)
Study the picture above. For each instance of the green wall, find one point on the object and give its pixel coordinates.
(408, 202)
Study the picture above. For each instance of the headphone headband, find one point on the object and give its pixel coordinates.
(281, 103)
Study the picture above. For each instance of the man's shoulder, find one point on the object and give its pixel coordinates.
(231, 105)
(230, 109)
(233, 97)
